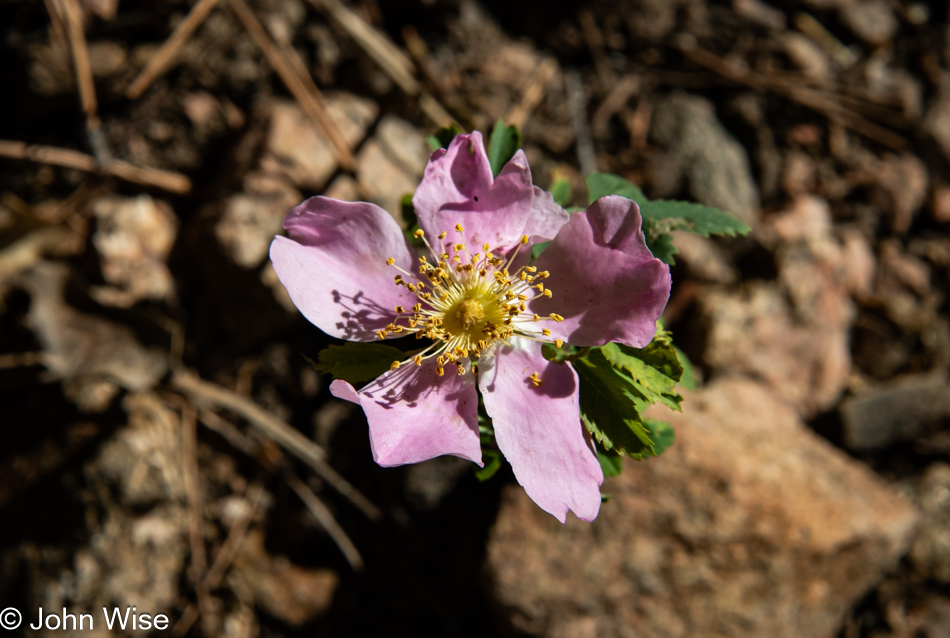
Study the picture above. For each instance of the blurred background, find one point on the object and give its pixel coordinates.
(167, 445)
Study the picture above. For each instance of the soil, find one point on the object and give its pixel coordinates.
(794, 111)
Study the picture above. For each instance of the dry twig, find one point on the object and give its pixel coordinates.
(294, 82)
(387, 55)
(314, 504)
(68, 158)
(224, 557)
(814, 99)
(276, 430)
(189, 454)
(533, 93)
(325, 517)
(161, 61)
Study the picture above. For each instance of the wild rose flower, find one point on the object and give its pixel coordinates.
(350, 270)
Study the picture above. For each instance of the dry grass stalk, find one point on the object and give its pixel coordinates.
(161, 61)
(68, 158)
(276, 430)
(294, 82)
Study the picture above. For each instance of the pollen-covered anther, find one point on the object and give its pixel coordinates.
(390, 261)
(535, 380)
(394, 366)
(558, 318)
(419, 233)
(400, 309)
(558, 343)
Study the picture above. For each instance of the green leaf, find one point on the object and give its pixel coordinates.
(443, 137)
(609, 409)
(602, 184)
(696, 218)
(558, 355)
(617, 383)
(561, 192)
(662, 433)
(610, 462)
(660, 244)
(688, 380)
(652, 379)
(492, 465)
(661, 217)
(539, 248)
(358, 362)
(503, 144)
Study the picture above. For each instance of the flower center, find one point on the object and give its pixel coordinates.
(468, 303)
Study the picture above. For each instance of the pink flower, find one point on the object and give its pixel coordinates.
(350, 270)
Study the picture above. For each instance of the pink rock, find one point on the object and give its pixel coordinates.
(749, 525)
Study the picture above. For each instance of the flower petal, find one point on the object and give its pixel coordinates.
(539, 429)
(605, 281)
(458, 188)
(414, 415)
(334, 266)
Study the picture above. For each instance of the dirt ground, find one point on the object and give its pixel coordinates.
(168, 445)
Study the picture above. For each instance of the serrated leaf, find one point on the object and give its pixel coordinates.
(696, 218)
(662, 434)
(502, 146)
(561, 192)
(609, 409)
(443, 137)
(688, 380)
(649, 383)
(357, 362)
(660, 244)
(610, 462)
(661, 217)
(603, 184)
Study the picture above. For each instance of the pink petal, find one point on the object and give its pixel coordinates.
(458, 188)
(539, 429)
(334, 266)
(414, 415)
(605, 281)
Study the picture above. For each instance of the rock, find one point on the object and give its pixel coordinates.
(429, 482)
(871, 20)
(704, 258)
(898, 409)
(937, 120)
(760, 13)
(794, 334)
(907, 269)
(296, 147)
(77, 344)
(343, 187)
(904, 179)
(391, 164)
(250, 220)
(807, 56)
(293, 594)
(134, 237)
(753, 332)
(940, 204)
(714, 163)
(931, 551)
(750, 525)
